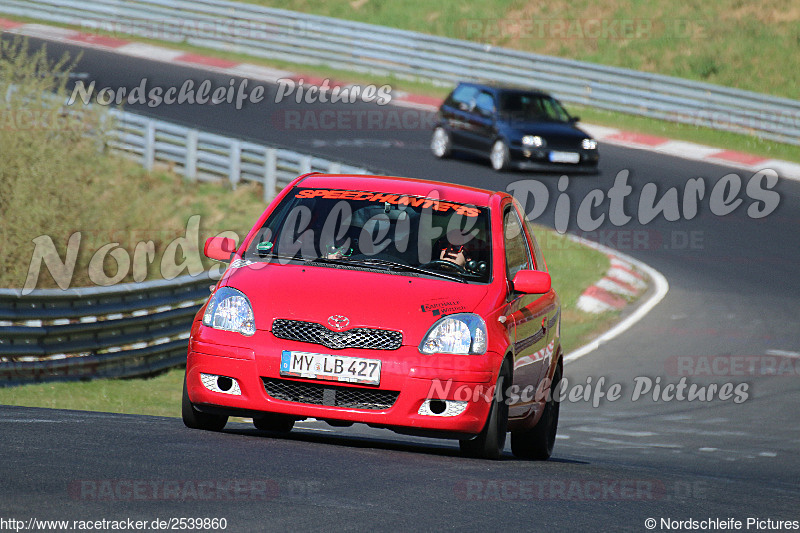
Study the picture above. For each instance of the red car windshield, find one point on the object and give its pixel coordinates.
(396, 232)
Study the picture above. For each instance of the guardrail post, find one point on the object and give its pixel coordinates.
(149, 153)
(190, 163)
(334, 168)
(305, 164)
(270, 173)
(235, 171)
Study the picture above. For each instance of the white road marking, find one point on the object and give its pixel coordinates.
(674, 418)
(782, 353)
(614, 431)
(30, 421)
(635, 444)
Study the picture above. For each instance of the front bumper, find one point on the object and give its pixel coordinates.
(524, 157)
(414, 376)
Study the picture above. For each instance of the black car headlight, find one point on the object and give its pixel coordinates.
(589, 144)
(533, 140)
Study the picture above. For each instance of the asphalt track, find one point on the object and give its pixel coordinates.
(733, 295)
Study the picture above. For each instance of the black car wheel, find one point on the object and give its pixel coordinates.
(195, 419)
(440, 143)
(538, 443)
(489, 443)
(274, 422)
(499, 156)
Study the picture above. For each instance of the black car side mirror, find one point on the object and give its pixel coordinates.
(573, 120)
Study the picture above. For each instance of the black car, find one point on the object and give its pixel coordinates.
(514, 127)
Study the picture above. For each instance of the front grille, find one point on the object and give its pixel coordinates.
(329, 395)
(314, 333)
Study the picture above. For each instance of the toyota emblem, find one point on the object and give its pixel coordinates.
(338, 321)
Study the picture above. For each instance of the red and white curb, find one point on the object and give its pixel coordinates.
(692, 151)
(621, 283)
(622, 271)
(685, 150)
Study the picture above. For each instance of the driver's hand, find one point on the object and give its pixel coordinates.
(450, 254)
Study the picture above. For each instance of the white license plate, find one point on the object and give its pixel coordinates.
(331, 367)
(565, 157)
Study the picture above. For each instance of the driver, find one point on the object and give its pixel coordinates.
(460, 254)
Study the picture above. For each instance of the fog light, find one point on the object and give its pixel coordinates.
(222, 384)
(436, 407)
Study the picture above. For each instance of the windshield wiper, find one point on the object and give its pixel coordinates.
(273, 257)
(397, 266)
(338, 261)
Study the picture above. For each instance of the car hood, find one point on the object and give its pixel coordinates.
(556, 130)
(367, 298)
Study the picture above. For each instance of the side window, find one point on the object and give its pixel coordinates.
(485, 104)
(463, 97)
(517, 256)
(538, 257)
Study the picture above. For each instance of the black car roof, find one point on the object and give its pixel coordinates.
(496, 87)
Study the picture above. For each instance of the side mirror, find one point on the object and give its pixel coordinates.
(220, 248)
(574, 120)
(532, 282)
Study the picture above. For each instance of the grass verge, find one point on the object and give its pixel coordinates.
(750, 46)
(57, 179)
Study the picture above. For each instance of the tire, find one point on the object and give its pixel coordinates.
(274, 422)
(195, 419)
(499, 156)
(441, 145)
(489, 443)
(537, 443)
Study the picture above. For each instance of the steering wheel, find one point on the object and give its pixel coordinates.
(448, 265)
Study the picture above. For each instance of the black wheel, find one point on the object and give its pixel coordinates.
(489, 443)
(195, 419)
(274, 422)
(441, 146)
(499, 156)
(538, 442)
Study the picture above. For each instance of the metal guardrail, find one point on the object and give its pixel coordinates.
(202, 155)
(296, 37)
(133, 329)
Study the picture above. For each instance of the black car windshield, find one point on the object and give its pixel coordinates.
(532, 107)
(393, 232)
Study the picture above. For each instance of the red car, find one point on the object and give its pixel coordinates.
(421, 307)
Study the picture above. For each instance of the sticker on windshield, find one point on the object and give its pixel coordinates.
(394, 199)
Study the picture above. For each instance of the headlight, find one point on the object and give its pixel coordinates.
(463, 333)
(589, 144)
(533, 140)
(230, 310)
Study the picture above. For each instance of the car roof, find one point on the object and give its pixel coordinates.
(394, 184)
(504, 87)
